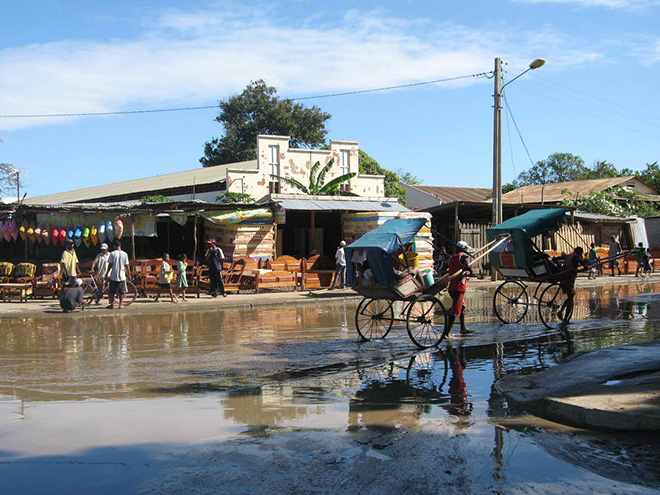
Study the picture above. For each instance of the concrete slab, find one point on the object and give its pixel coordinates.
(617, 388)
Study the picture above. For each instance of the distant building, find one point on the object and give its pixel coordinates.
(253, 177)
(557, 192)
(419, 196)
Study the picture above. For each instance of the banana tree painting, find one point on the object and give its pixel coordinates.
(316, 182)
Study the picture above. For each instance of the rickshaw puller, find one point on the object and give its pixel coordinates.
(458, 264)
(572, 262)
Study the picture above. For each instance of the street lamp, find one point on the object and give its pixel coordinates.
(497, 134)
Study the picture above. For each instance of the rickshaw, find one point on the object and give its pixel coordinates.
(389, 297)
(520, 261)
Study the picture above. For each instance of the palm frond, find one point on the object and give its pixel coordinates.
(312, 172)
(334, 183)
(324, 171)
(291, 182)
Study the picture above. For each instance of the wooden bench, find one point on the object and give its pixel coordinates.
(22, 290)
(317, 272)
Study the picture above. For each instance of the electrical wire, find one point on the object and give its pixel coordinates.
(588, 113)
(508, 132)
(508, 108)
(206, 107)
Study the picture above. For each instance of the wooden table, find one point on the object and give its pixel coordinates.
(22, 290)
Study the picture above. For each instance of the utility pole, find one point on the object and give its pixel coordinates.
(497, 143)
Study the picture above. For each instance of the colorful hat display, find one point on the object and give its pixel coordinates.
(85, 237)
(94, 235)
(55, 236)
(101, 233)
(77, 236)
(13, 229)
(30, 232)
(62, 236)
(5, 231)
(37, 234)
(69, 232)
(45, 235)
(119, 228)
(109, 230)
(22, 230)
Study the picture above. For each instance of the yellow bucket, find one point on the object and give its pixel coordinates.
(411, 257)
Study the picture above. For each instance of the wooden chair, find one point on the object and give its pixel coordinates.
(21, 284)
(317, 272)
(284, 272)
(24, 273)
(6, 269)
(150, 275)
(248, 276)
(49, 283)
(136, 273)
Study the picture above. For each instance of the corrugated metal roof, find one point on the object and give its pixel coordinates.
(186, 178)
(553, 193)
(449, 194)
(330, 204)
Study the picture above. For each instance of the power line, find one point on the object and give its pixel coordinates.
(206, 107)
(509, 111)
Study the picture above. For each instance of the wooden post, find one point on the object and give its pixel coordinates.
(457, 233)
(133, 237)
(195, 236)
(311, 232)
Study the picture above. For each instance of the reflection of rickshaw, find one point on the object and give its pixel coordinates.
(395, 295)
(519, 260)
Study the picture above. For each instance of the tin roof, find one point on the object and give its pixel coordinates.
(448, 194)
(319, 204)
(554, 193)
(187, 178)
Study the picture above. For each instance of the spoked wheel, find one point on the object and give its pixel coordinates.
(91, 295)
(130, 296)
(426, 321)
(374, 318)
(510, 302)
(554, 309)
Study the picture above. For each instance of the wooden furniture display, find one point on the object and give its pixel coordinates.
(317, 272)
(283, 272)
(20, 289)
(49, 283)
(6, 269)
(150, 276)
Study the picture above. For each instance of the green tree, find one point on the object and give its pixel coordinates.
(407, 177)
(613, 202)
(11, 181)
(258, 110)
(392, 187)
(317, 185)
(234, 198)
(651, 175)
(558, 167)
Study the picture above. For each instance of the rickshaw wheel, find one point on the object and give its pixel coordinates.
(374, 318)
(550, 307)
(426, 321)
(510, 302)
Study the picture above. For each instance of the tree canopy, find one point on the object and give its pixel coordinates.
(10, 177)
(566, 167)
(258, 110)
(392, 188)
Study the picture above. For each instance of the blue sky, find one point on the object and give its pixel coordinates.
(597, 96)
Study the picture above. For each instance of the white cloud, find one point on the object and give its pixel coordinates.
(612, 4)
(191, 58)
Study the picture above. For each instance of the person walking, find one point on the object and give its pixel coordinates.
(165, 279)
(100, 265)
(615, 249)
(340, 267)
(182, 278)
(69, 262)
(72, 297)
(116, 274)
(593, 261)
(214, 258)
(643, 260)
(572, 264)
(459, 268)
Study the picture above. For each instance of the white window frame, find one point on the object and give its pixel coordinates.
(345, 162)
(274, 161)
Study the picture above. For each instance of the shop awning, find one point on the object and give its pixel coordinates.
(338, 205)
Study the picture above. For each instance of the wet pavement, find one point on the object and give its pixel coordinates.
(285, 400)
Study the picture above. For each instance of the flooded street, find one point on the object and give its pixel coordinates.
(286, 400)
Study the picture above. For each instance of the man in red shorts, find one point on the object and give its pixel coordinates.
(459, 268)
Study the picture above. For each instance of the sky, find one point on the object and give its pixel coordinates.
(597, 96)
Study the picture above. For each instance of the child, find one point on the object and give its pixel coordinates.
(182, 280)
(165, 278)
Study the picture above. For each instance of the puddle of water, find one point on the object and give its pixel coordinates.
(435, 413)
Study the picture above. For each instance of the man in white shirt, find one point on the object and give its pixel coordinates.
(117, 268)
(100, 265)
(340, 267)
